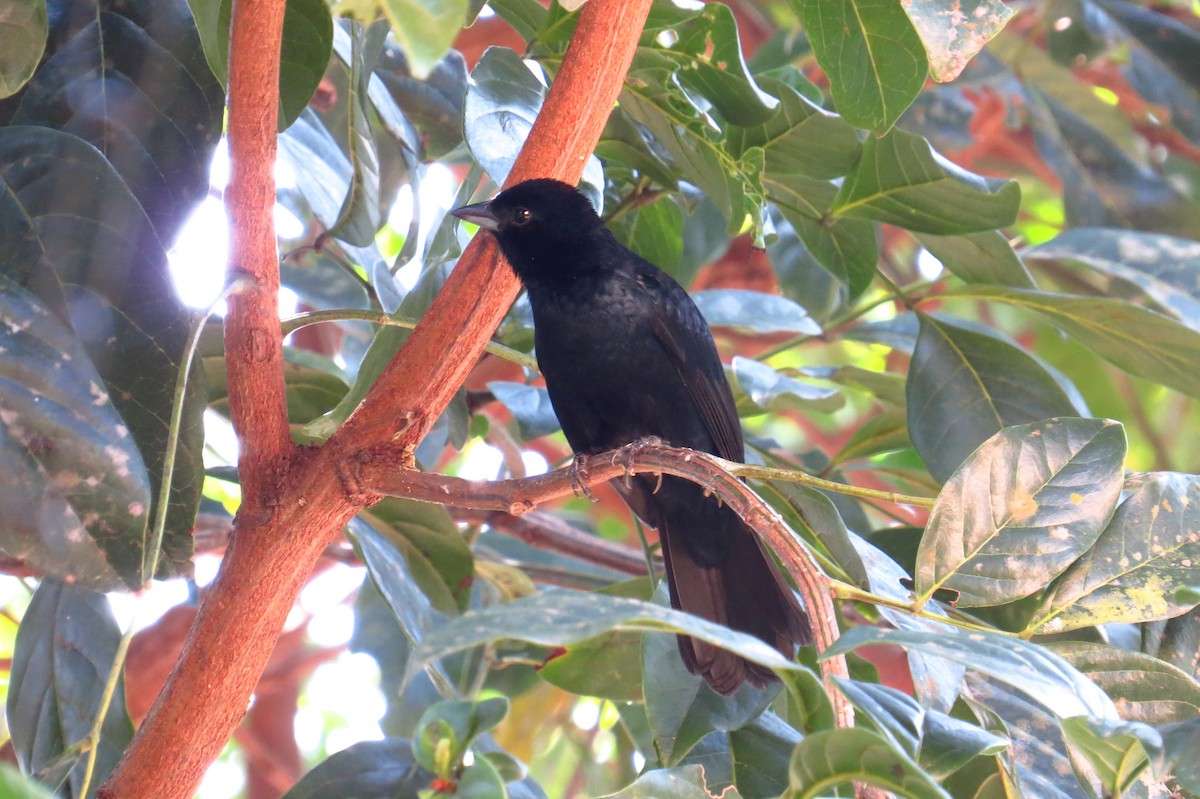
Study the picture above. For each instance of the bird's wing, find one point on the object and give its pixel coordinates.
(699, 368)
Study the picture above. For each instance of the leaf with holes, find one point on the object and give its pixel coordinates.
(1025, 505)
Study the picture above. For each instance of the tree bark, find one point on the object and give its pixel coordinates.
(294, 504)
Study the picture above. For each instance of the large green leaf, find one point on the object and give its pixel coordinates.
(900, 179)
(872, 55)
(1115, 752)
(984, 257)
(965, 385)
(681, 708)
(1139, 341)
(1144, 566)
(560, 618)
(74, 493)
(65, 648)
(424, 28)
(1026, 504)
(1145, 688)
(1055, 683)
(830, 758)
(1165, 268)
(367, 770)
(755, 311)
(92, 257)
(844, 246)
(801, 138)
(304, 52)
(23, 30)
(130, 79)
(359, 218)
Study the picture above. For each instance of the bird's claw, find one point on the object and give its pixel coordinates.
(579, 478)
(625, 455)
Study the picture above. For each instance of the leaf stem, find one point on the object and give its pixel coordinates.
(853, 593)
(294, 323)
(797, 476)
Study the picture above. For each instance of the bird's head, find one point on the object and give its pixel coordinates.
(544, 227)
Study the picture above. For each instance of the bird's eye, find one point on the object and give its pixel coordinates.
(521, 216)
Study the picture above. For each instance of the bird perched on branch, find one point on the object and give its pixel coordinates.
(627, 355)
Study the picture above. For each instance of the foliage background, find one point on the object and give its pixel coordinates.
(905, 310)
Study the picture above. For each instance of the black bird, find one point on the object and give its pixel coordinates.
(626, 355)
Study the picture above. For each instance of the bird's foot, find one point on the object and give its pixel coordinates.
(625, 455)
(579, 477)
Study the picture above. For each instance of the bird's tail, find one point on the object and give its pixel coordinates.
(718, 569)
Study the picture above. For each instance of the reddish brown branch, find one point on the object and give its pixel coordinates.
(543, 531)
(294, 504)
(253, 340)
(376, 473)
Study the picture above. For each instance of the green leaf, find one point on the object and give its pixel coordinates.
(754, 311)
(710, 63)
(359, 217)
(1180, 743)
(681, 708)
(801, 138)
(437, 555)
(884, 432)
(23, 32)
(830, 758)
(895, 715)
(425, 28)
(1146, 554)
(652, 97)
(14, 785)
(761, 751)
(655, 232)
(1165, 268)
(458, 723)
(367, 770)
(304, 51)
(845, 247)
(529, 405)
(65, 647)
(481, 780)
(953, 38)
(1026, 504)
(948, 744)
(1116, 751)
(117, 294)
(561, 618)
(608, 666)
(1145, 688)
(965, 385)
(1034, 669)
(151, 106)
(1141, 342)
(767, 389)
(901, 180)
(872, 55)
(984, 257)
(74, 493)
(683, 782)
(502, 102)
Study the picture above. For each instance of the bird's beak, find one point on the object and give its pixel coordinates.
(479, 213)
